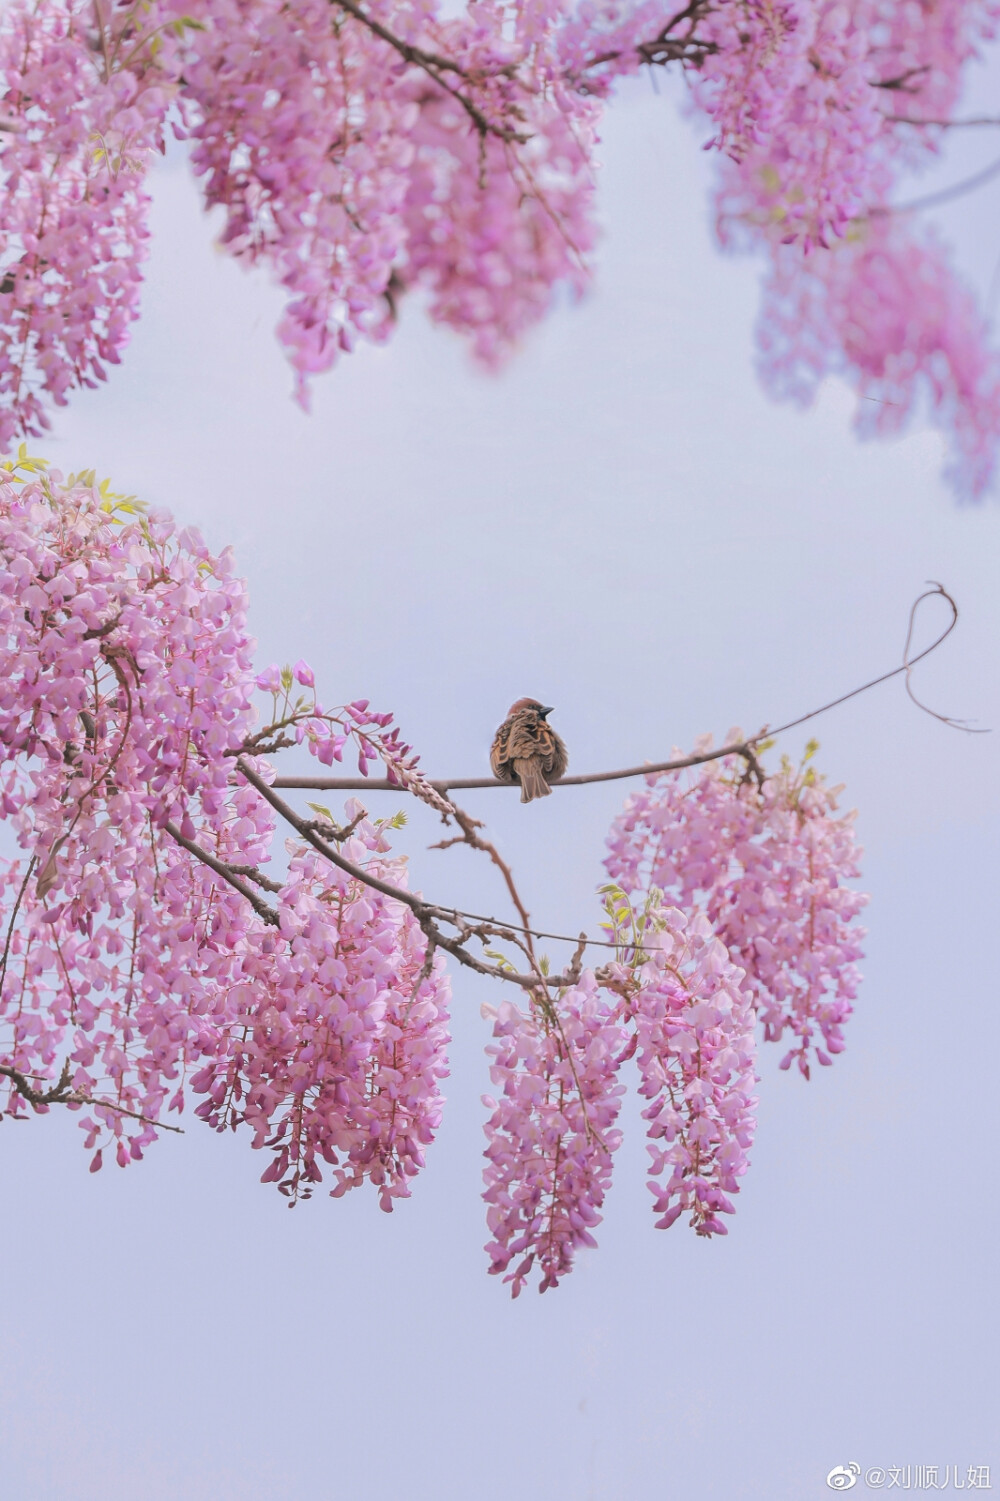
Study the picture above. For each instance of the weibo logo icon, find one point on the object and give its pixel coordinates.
(842, 1477)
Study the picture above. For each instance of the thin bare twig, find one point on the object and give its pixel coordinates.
(470, 836)
(902, 82)
(13, 917)
(434, 66)
(428, 914)
(944, 124)
(593, 943)
(424, 973)
(744, 748)
(60, 1093)
(76, 1098)
(382, 784)
(956, 724)
(906, 665)
(227, 873)
(931, 200)
(38, 1098)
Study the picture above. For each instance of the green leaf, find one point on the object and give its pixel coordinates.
(24, 463)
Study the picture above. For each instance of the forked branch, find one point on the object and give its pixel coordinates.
(63, 1093)
(436, 67)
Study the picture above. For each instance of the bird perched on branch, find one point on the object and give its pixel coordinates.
(526, 749)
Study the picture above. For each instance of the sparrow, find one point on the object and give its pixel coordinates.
(527, 750)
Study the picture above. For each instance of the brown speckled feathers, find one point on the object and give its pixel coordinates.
(527, 750)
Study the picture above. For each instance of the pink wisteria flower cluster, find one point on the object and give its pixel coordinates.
(695, 1031)
(160, 944)
(130, 971)
(768, 864)
(361, 148)
(552, 1131)
(763, 932)
(675, 1002)
(340, 1043)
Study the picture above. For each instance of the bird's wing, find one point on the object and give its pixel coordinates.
(523, 737)
(500, 755)
(553, 752)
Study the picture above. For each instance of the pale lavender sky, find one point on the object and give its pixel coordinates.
(623, 524)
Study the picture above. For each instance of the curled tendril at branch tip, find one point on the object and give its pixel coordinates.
(956, 724)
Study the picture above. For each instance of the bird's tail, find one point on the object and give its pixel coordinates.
(529, 774)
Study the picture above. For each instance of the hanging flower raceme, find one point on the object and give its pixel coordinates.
(341, 1029)
(491, 231)
(888, 311)
(884, 307)
(552, 1129)
(82, 110)
(674, 999)
(125, 676)
(769, 866)
(694, 1027)
(788, 918)
(797, 113)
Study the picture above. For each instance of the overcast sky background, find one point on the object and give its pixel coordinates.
(624, 525)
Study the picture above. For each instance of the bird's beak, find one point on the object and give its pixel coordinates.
(548, 711)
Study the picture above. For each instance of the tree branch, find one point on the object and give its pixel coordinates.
(472, 925)
(60, 1093)
(944, 124)
(931, 200)
(665, 48)
(428, 914)
(13, 918)
(227, 873)
(38, 1098)
(470, 836)
(382, 784)
(906, 666)
(902, 82)
(744, 748)
(434, 66)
